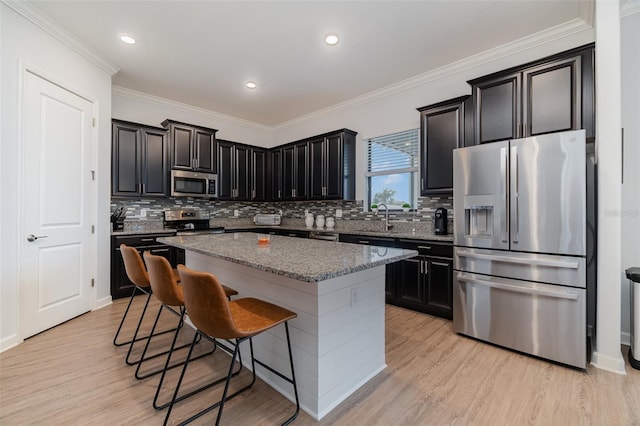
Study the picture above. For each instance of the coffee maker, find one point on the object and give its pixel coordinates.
(440, 221)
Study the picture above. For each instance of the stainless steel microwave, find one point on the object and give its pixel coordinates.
(193, 184)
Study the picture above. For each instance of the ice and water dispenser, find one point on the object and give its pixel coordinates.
(478, 212)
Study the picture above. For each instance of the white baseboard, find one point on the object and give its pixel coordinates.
(101, 303)
(614, 364)
(9, 342)
(625, 338)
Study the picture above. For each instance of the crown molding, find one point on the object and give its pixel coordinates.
(588, 11)
(35, 15)
(629, 7)
(558, 32)
(157, 100)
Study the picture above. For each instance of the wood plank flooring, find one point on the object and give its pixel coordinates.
(73, 375)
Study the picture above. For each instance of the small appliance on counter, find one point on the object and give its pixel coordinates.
(117, 218)
(440, 221)
(267, 219)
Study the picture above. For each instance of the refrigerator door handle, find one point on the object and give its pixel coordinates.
(504, 194)
(525, 261)
(532, 291)
(514, 164)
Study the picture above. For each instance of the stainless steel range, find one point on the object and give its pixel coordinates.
(190, 222)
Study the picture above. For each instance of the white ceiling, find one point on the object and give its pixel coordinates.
(202, 52)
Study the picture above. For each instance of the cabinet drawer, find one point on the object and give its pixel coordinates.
(427, 248)
(364, 239)
(140, 240)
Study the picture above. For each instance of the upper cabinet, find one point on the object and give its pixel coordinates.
(550, 95)
(442, 129)
(192, 147)
(233, 171)
(139, 163)
(332, 163)
(295, 171)
(259, 182)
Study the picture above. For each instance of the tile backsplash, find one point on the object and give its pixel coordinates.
(351, 210)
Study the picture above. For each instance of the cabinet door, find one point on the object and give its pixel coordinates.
(552, 97)
(225, 170)
(409, 287)
(497, 108)
(288, 170)
(439, 287)
(154, 170)
(442, 131)
(276, 175)
(181, 147)
(317, 148)
(242, 159)
(258, 174)
(125, 160)
(205, 151)
(301, 175)
(334, 178)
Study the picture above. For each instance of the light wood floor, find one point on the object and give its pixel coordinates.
(73, 375)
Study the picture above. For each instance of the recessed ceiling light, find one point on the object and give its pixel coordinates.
(128, 39)
(331, 39)
(251, 84)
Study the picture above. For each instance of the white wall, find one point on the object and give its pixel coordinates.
(631, 188)
(145, 109)
(26, 45)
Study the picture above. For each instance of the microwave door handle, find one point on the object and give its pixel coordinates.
(516, 194)
(504, 193)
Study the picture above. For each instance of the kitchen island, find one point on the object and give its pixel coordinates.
(337, 290)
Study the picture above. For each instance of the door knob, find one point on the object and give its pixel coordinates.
(31, 238)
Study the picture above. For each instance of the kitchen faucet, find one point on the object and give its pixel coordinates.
(387, 227)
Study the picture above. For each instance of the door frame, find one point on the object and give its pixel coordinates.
(26, 67)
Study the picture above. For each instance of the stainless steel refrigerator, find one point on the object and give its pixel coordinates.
(520, 245)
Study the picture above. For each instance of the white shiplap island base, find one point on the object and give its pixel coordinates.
(337, 290)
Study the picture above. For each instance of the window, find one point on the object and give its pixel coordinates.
(392, 167)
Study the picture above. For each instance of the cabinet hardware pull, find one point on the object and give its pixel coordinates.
(425, 247)
(159, 250)
(363, 241)
(439, 263)
(147, 239)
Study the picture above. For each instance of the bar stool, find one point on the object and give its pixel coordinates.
(217, 318)
(137, 273)
(166, 289)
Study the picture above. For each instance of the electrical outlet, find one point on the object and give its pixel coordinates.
(354, 297)
(338, 212)
(236, 213)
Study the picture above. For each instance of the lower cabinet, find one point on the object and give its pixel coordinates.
(121, 286)
(376, 241)
(425, 282)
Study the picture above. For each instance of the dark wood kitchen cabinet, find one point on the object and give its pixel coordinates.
(139, 160)
(192, 147)
(442, 129)
(425, 283)
(121, 286)
(276, 174)
(550, 95)
(233, 171)
(295, 171)
(332, 166)
(390, 269)
(259, 176)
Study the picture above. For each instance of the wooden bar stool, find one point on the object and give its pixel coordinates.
(166, 289)
(242, 319)
(137, 273)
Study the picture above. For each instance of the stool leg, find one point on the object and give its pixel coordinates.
(293, 378)
(135, 334)
(184, 369)
(126, 312)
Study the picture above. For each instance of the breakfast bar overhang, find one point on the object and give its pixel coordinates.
(337, 290)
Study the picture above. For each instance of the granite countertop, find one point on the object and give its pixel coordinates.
(398, 232)
(297, 258)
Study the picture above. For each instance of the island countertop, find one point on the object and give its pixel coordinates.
(297, 258)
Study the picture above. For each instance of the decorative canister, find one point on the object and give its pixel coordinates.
(308, 221)
(320, 221)
(330, 223)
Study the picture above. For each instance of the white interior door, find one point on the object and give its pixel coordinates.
(57, 250)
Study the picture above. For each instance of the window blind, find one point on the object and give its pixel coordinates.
(397, 152)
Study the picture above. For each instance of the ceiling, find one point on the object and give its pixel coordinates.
(201, 53)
